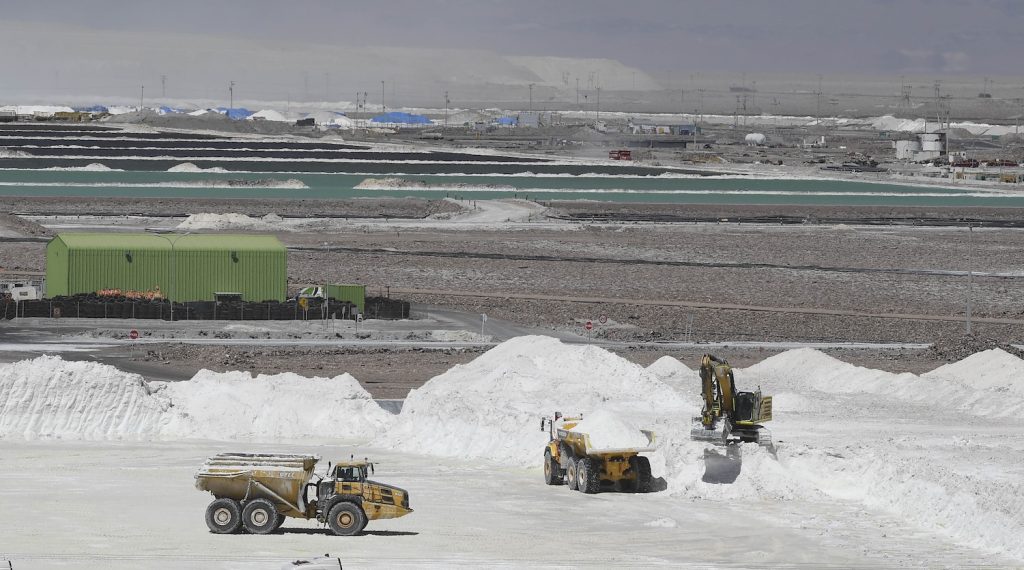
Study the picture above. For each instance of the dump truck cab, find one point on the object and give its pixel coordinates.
(348, 481)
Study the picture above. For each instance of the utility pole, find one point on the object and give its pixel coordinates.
(531, 98)
(163, 86)
(598, 103)
(382, 107)
(231, 95)
(446, 101)
(700, 94)
(817, 118)
(142, 96)
(577, 91)
(970, 273)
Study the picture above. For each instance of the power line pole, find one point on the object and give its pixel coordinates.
(382, 107)
(970, 273)
(598, 103)
(163, 86)
(446, 101)
(142, 96)
(231, 95)
(531, 98)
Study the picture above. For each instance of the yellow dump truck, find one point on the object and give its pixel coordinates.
(570, 458)
(256, 492)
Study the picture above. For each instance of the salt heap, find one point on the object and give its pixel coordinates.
(670, 369)
(491, 407)
(50, 398)
(607, 430)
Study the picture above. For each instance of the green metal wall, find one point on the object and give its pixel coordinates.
(201, 265)
(354, 293)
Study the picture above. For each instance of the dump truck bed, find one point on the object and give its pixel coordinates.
(582, 442)
(280, 478)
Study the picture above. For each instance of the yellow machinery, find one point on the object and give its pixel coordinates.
(729, 416)
(256, 492)
(570, 458)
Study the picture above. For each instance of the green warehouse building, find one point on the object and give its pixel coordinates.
(185, 267)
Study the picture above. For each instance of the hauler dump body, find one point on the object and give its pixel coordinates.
(256, 492)
(569, 457)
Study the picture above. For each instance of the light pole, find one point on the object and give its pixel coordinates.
(531, 98)
(173, 263)
(231, 95)
(970, 273)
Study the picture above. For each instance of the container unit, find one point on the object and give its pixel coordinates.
(355, 294)
(182, 267)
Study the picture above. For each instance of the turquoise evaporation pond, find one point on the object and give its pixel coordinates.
(737, 190)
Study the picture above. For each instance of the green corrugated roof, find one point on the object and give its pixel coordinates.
(182, 242)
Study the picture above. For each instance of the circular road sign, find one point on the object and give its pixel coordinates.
(133, 334)
(602, 319)
(589, 325)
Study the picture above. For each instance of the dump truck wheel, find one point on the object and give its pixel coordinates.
(224, 516)
(589, 477)
(260, 516)
(346, 519)
(552, 472)
(570, 475)
(280, 521)
(643, 470)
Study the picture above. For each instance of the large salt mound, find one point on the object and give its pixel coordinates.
(234, 405)
(670, 369)
(988, 383)
(491, 407)
(50, 398)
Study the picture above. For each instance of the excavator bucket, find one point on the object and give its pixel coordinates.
(699, 433)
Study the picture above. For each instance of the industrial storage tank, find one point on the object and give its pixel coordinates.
(183, 267)
(755, 139)
(933, 142)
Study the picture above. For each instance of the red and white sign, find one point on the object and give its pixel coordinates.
(133, 334)
(589, 325)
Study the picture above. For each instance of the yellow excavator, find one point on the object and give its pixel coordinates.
(729, 416)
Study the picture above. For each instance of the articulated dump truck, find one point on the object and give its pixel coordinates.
(256, 492)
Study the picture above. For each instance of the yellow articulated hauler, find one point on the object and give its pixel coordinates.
(569, 457)
(256, 492)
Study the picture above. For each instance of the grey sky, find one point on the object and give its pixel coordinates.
(86, 44)
(866, 36)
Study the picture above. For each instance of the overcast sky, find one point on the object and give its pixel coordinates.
(863, 36)
(95, 46)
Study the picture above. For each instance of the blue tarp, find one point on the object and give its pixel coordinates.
(402, 118)
(168, 110)
(93, 109)
(506, 121)
(236, 113)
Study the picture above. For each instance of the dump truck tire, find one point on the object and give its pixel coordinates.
(552, 472)
(280, 521)
(570, 475)
(260, 516)
(643, 469)
(224, 516)
(589, 477)
(346, 519)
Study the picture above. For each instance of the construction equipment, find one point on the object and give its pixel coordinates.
(570, 458)
(256, 492)
(729, 416)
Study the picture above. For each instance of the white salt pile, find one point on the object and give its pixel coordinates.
(670, 369)
(50, 398)
(607, 430)
(272, 407)
(491, 407)
(190, 167)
